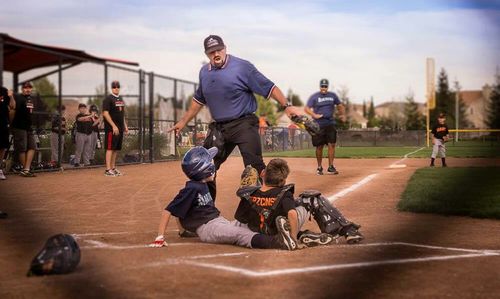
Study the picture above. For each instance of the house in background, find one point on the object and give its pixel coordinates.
(476, 103)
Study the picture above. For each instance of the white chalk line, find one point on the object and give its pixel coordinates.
(113, 233)
(351, 188)
(191, 260)
(406, 156)
(302, 270)
(102, 245)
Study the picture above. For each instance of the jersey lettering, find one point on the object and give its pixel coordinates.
(204, 200)
(263, 201)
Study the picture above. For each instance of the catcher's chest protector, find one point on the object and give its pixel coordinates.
(265, 212)
(60, 255)
(329, 218)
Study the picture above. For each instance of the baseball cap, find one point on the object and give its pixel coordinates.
(213, 43)
(27, 84)
(82, 105)
(323, 82)
(93, 108)
(115, 84)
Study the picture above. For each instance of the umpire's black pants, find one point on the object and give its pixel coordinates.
(244, 133)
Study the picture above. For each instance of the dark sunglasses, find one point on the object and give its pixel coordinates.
(324, 86)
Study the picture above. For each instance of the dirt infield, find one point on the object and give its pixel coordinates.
(404, 255)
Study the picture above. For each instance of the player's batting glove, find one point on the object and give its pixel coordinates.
(306, 123)
(159, 242)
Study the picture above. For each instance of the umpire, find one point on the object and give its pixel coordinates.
(226, 87)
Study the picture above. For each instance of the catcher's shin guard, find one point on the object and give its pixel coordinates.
(330, 220)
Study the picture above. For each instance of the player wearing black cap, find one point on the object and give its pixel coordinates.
(321, 106)
(113, 111)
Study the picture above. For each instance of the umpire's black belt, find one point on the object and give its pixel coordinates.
(228, 121)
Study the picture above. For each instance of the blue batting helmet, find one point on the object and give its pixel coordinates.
(197, 163)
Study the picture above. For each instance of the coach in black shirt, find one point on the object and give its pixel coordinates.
(24, 140)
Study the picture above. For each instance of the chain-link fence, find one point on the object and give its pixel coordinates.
(154, 103)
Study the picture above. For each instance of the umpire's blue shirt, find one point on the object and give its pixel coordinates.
(228, 90)
(324, 103)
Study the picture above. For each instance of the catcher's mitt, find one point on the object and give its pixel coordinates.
(249, 177)
(306, 123)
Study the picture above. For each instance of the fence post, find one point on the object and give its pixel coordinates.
(151, 116)
(175, 115)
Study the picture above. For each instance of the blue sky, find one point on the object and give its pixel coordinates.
(373, 48)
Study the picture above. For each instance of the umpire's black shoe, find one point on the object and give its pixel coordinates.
(319, 171)
(332, 169)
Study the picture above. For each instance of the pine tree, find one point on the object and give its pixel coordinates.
(364, 109)
(414, 119)
(372, 120)
(493, 119)
(443, 97)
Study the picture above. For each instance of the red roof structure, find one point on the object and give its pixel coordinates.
(20, 56)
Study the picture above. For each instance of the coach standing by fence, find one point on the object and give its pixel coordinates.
(226, 87)
(113, 111)
(24, 139)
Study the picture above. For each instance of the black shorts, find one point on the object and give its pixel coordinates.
(24, 140)
(4, 138)
(113, 142)
(326, 135)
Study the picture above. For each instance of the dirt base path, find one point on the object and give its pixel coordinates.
(404, 255)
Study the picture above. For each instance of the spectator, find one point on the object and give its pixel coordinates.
(95, 139)
(24, 139)
(58, 121)
(7, 104)
(84, 122)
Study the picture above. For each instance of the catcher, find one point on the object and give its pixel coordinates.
(439, 138)
(261, 207)
(195, 209)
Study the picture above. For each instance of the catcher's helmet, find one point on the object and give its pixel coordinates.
(197, 163)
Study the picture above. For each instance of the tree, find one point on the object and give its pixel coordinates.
(364, 109)
(98, 97)
(445, 103)
(493, 111)
(414, 119)
(47, 92)
(372, 120)
(266, 108)
(343, 94)
(294, 99)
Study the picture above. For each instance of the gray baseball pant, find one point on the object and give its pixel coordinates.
(222, 231)
(93, 144)
(54, 137)
(82, 148)
(438, 147)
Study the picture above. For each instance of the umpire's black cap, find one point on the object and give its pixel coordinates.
(213, 43)
(323, 83)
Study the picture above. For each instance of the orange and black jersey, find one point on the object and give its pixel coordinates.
(245, 213)
(439, 131)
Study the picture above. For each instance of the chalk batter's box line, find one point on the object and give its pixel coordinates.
(194, 260)
(471, 253)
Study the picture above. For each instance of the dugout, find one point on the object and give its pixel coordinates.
(157, 101)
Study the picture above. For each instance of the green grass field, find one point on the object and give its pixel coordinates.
(394, 152)
(468, 191)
